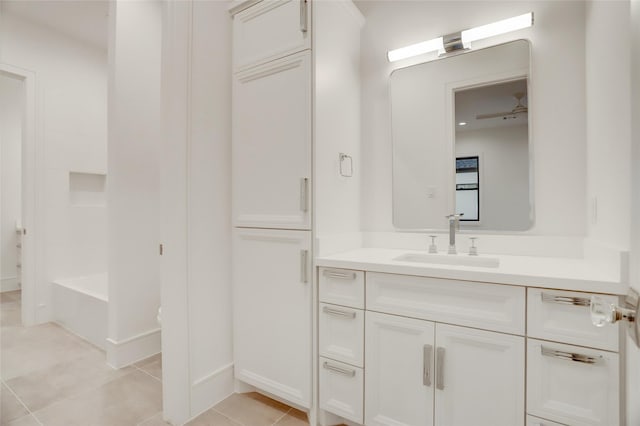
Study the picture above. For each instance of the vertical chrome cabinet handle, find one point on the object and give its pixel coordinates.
(304, 194)
(427, 353)
(303, 16)
(304, 260)
(440, 368)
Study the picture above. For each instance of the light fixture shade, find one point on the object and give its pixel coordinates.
(467, 36)
(497, 28)
(415, 49)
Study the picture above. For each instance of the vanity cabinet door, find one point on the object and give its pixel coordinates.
(399, 379)
(573, 385)
(271, 146)
(272, 308)
(479, 378)
(269, 30)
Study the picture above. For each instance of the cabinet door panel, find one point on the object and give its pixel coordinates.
(482, 378)
(269, 30)
(272, 312)
(272, 145)
(572, 384)
(397, 357)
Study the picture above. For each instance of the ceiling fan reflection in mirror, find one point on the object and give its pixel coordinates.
(518, 109)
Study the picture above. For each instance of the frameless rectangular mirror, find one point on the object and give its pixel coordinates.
(461, 141)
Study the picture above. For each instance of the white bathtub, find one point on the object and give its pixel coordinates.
(80, 305)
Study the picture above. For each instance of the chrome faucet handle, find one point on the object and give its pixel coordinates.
(473, 250)
(433, 248)
(455, 217)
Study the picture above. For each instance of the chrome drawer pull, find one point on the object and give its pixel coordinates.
(338, 312)
(339, 275)
(569, 356)
(335, 369)
(440, 368)
(427, 353)
(566, 300)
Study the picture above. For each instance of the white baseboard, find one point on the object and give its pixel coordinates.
(211, 389)
(133, 349)
(287, 394)
(9, 284)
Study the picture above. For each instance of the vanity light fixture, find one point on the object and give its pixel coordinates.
(415, 49)
(461, 40)
(462, 123)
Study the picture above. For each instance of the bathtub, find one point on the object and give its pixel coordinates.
(80, 305)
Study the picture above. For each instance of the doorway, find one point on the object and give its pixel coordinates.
(18, 192)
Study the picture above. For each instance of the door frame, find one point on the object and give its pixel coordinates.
(31, 194)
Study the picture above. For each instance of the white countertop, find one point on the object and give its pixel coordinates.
(546, 272)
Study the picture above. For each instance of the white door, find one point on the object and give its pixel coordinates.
(273, 311)
(270, 29)
(399, 378)
(272, 144)
(479, 378)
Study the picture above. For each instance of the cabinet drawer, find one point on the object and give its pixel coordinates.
(342, 390)
(534, 421)
(564, 316)
(342, 287)
(479, 305)
(572, 385)
(342, 334)
(269, 30)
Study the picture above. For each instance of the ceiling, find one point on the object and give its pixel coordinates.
(489, 99)
(81, 19)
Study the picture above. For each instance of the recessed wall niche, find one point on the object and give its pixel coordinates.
(87, 189)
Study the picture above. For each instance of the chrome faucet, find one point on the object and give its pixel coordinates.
(454, 225)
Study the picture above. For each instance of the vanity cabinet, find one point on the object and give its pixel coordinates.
(476, 376)
(573, 368)
(447, 352)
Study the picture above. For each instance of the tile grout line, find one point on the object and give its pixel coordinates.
(149, 418)
(283, 416)
(29, 412)
(145, 372)
(227, 416)
(85, 391)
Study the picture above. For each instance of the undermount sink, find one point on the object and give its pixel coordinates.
(450, 259)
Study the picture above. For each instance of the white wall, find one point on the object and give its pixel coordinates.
(196, 208)
(504, 175)
(11, 110)
(608, 117)
(132, 180)
(71, 96)
(633, 353)
(336, 47)
(557, 99)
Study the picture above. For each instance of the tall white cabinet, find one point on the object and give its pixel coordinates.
(272, 144)
(272, 294)
(274, 150)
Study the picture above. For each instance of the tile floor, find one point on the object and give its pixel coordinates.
(51, 377)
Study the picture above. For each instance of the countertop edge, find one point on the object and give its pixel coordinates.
(523, 280)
